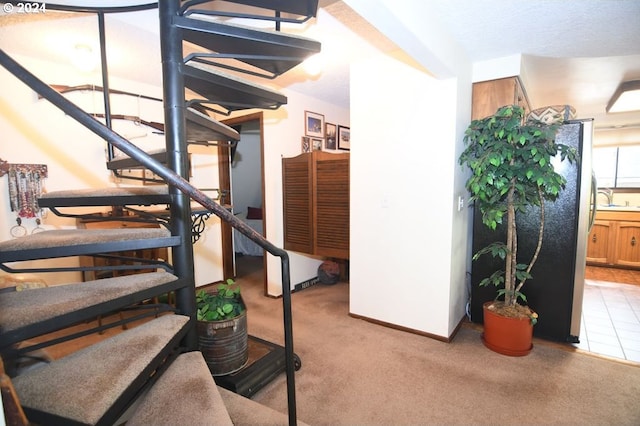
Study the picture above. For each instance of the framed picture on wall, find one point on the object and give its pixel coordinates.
(344, 138)
(313, 124)
(316, 144)
(330, 136)
(306, 144)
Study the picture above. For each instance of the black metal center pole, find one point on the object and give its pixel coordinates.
(177, 157)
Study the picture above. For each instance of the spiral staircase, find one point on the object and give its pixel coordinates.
(151, 373)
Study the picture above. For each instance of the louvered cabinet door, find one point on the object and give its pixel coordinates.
(316, 204)
(331, 205)
(297, 199)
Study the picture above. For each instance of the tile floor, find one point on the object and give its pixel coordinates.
(611, 313)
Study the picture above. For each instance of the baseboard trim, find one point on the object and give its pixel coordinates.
(305, 284)
(411, 330)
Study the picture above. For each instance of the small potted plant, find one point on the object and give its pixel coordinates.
(511, 172)
(222, 328)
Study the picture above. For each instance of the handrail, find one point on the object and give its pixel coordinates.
(177, 181)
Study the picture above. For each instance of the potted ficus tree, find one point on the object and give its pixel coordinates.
(511, 172)
(222, 328)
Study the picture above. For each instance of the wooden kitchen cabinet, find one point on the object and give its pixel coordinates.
(627, 248)
(316, 203)
(490, 95)
(598, 245)
(615, 241)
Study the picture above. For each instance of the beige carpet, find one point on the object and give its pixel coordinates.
(357, 373)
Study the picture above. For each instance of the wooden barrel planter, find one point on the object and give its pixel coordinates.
(224, 344)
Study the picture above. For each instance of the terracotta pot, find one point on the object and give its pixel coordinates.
(507, 336)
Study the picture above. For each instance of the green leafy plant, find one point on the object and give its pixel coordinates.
(512, 172)
(224, 304)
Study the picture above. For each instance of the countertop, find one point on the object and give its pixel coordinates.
(610, 207)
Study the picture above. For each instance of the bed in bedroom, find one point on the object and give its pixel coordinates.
(242, 244)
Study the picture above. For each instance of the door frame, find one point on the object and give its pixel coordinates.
(224, 176)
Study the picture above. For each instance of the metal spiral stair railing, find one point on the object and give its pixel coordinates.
(175, 18)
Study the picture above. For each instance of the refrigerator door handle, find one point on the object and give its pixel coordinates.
(594, 203)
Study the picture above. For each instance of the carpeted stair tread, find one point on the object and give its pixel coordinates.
(74, 242)
(23, 308)
(86, 384)
(199, 402)
(67, 237)
(139, 195)
(246, 412)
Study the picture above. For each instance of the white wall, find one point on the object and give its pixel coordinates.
(283, 130)
(402, 169)
(438, 109)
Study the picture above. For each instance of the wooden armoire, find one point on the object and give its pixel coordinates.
(316, 203)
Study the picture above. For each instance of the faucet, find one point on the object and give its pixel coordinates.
(607, 192)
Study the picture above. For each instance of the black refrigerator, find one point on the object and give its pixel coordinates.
(556, 290)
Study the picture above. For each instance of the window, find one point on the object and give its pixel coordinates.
(628, 167)
(617, 167)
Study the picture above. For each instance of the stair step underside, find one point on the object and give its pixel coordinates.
(199, 402)
(229, 91)
(305, 8)
(96, 384)
(271, 51)
(115, 196)
(126, 162)
(78, 242)
(202, 128)
(30, 313)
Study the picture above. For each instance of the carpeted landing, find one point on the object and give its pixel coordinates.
(358, 373)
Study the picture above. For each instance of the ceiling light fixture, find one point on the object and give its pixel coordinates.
(626, 97)
(314, 65)
(84, 58)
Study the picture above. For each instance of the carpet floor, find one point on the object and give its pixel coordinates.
(358, 373)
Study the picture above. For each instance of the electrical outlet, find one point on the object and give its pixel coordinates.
(460, 203)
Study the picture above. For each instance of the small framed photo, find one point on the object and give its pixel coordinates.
(330, 136)
(313, 124)
(344, 138)
(306, 144)
(316, 144)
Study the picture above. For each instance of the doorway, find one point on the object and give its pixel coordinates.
(241, 171)
(610, 323)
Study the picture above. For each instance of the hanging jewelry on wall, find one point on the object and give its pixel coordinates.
(38, 228)
(4, 167)
(18, 230)
(26, 185)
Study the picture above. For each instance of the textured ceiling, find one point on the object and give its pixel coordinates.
(549, 28)
(574, 52)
